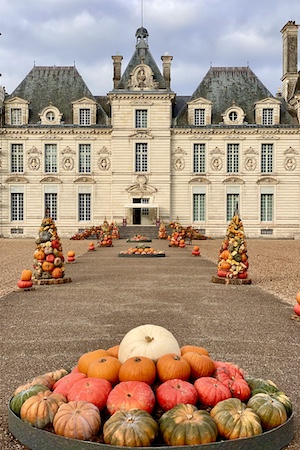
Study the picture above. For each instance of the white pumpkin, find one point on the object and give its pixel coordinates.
(148, 340)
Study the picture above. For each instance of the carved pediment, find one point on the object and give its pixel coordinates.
(50, 179)
(17, 179)
(141, 186)
(201, 180)
(141, 78)
(85, 179)
(267, 180)
(233, 180)
(142, 135)
(290, 151)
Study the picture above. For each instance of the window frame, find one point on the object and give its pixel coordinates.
(51, 202)
(84, 206)
(266, 207)
(267, 116)
(199, 158)
(84, 158)
(232, 200)
(16, 116)
(17, 158)
(267, 158)
(141, 118)
(199, 117)
(51, 160)
(233, 158)
(141, 157)
(84, 116)
(17, 206)
(199, 209)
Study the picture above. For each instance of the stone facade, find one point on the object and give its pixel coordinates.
(142, 153)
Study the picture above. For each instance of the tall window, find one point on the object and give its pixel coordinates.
(17, 206)
(199, 117)
(141, 118)
(51, 204)
(16, 116)
(267, 116)
(267, 158)
(198, 207)
(84, 158)
(199, 158)
(145, 211)
(233, 158)
(232, 204)
(17, 160)
(141, 157)
(50, 158)
(266, 207)
(84, 207)
(84, 116)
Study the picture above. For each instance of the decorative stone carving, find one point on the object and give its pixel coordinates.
(216, 151)
(104, 163)
(290, 163)
(68, 163)
(34, 163)
(141, 186)
(178, 163)
(68, 150)
(216, 163)
(142, 78)
(250, 163)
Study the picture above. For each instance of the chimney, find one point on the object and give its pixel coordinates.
(289, 58)
(166, 59)
(117, 69)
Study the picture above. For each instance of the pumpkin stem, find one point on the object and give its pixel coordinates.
(137, 359)
(149, 339)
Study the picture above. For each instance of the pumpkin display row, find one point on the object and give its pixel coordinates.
(141, 250)
(147, 391)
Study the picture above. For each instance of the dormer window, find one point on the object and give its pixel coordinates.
(199, 117)
(16, 116)
(84, 116)
(234, 115)
(50, 116)
(84, 112)
(199, 112)
(267, 111)
(16, 111)
(267, 116)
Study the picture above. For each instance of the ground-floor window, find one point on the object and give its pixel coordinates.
(232, 205)
(17, 206)
(266, 207)
(51, 205)
(84, 207)
(198, 207)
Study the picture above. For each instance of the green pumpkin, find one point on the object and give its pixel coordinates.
(186, 425)
(259, 383)
(234, 420)
(18, 400)
(272, 413)
(133, 428)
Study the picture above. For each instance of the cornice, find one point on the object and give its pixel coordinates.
(140, 97)
(54, 133)
(260, 133)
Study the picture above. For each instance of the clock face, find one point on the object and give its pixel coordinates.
(233, 116)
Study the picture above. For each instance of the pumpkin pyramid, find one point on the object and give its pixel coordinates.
(48, 257)
(233, 259)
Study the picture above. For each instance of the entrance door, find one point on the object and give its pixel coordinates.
(136, 212)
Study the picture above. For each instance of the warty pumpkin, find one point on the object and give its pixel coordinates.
(186, 425)
(138, 368)
(40, 409)
(211, 391)
(134, 428)
(77, 420)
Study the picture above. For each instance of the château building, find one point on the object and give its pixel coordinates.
(142, 153)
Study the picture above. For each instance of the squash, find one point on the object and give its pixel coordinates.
(211, 391)
(296, 309)
(172, 366)
(138, 368)
(232, 378)
(40, 409)
(45, 380)
(234, 420)
(91, 390)
(114, 351)
(26, 275)
(25, 284)
(193, 348)
(106, 367)
(148, 340)
(63, 385)
(47, 266)
(186, 425)
(86, 359)
(71, 253)
(39, 255)
(272, 413)
(77, 420)
(131, 395)
(18, 399)
(176, 391)
(201, 365)
(57, 272)
(57, 374)
(134, 428)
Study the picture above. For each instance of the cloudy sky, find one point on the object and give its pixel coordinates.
(197, 33)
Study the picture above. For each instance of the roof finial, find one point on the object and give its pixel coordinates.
(142, 13)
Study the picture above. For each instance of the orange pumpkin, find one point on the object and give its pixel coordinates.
(47, 266)
(56, 273)
(171, 366)
(193, 348)
(86, 359)
(196, 248)
(224, 265)
(114, 351)
(40, 409)
(224, 254)
(26, 275)
(138, 368)
(106, 367)
(298, 297)
(71, 253)
(201, 365)
(39, 255)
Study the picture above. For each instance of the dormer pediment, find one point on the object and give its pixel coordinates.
(199, 101)
(85, 101)
(267, 111)
(16, 100)
(16, 111)
(268, 101)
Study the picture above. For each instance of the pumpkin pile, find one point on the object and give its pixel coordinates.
(233, 259)
(162, 231)
(139, 238)
(146, 391)
(141, 250)
(106, 240)
(25, 281)
(48, 257)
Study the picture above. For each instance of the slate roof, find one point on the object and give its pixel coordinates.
(60, 85)
(224, 86)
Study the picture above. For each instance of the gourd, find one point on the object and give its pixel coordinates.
(26, 275)
(134, 428)
(272, 413)
(40, 409)
(176, 391)
(152, 341)
(77, 420)
(18, 399)
(234, 420)
(86, 359)
(63, 385)
(201, 365)
(138, 368)
(131, 395)
(211, 391)
(47, 266)
(106, 367)
(186, 425)
(172, 366)
(57, 272)
(91, 390)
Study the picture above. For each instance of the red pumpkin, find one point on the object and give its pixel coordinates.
(24, 284)
(131, 395)
(176, 391)
(232, 378)
(55, 243)
(92, 390)
(50, 258)
(64, 385)
(211, 391)
(222, 273)
(243, 275)
(297, 309)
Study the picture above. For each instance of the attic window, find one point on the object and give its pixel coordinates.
(233, 115)
(50, 116)
(84, 116)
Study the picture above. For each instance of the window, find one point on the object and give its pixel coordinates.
(17, 164)
(84, 116)
(233, 158)
(50, 116)
(141, 157)
(84, 207)
(16, 116)
(232, 205)
(51, 205)
(198, 207)
(267, 158)
(199, 158)
(267, 116)
(84, 158)
(50, 158)
(145, 211)
(141, 116)
(199, 117)
(233, 116)
(266, 207)
(17, 206)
